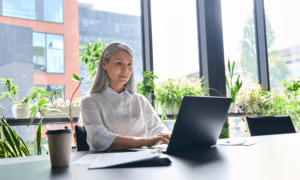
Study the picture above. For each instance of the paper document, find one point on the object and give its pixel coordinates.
(238, 142)
(85, 160)
(113, 159)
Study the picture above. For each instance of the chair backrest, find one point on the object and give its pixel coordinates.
(267, 125)
(81, 138)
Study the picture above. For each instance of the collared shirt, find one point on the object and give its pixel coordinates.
(109, 114)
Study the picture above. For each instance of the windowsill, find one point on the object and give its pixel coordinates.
(19, 122)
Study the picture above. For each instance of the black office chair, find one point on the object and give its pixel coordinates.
(81, 138)
(267, 125)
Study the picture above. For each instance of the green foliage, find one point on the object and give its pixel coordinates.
(147, 86)
(224, 134)
(12, 145)
(91, 56)
(274, 103)
(12, 92)
(291, 87)
(171, 92)
(233, 90)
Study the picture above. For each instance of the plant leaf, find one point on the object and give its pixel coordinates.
(39, 137)
(9, 140)
(75, 77)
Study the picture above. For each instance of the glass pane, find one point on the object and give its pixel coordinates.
(19, 8)
(38, 39)
(239, 39)
(55, 61)
(175, 39)
(283, 40)
(110, 21)
(53, 11)
(55, 41)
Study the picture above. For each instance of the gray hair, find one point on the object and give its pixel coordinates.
(101, 78)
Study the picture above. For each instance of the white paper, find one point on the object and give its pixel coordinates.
(112, 159)
(86, 159)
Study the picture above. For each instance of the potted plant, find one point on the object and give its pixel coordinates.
(12, 145)
(20, 106)
(169, 94)
(233, 89)
(42, 107)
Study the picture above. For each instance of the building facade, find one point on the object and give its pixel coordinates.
(39, 44)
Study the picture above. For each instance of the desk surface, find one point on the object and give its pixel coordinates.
(275, 157)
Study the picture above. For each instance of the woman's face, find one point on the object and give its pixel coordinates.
(119, 68)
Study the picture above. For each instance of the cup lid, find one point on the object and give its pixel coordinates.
(59, 131)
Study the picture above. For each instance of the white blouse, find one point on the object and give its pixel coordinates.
(109, 114)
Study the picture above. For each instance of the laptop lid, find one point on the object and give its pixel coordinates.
(199, 123)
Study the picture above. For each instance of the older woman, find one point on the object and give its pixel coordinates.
(114, 116)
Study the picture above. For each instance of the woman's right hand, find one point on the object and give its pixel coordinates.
(150, 141)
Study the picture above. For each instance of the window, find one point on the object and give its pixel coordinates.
(48, 55)
(42, 10)
(175, 39)
(283, 40)
(53, 11)
(239, 47)
(19, 8)
(239, 39)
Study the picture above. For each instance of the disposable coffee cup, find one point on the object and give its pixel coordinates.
(60, 143)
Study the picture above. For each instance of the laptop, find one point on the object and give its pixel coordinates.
(199, 123)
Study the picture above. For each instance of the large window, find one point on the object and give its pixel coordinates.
(43, 10)
(239, 39)
(48, 53)
(175, 39)
(283, 40)
(239, 47)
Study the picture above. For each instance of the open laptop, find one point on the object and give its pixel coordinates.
(199, 123)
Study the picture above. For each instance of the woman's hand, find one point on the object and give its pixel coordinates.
(162, 137)
(165, 135)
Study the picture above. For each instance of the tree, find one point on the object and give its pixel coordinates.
(278, 71)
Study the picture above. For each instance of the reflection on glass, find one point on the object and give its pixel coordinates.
(175, 39)
(55, 41)
(283, 40)
(19, 8)
(239, 39)
(39, 56)
(55, 61)
(53, 11)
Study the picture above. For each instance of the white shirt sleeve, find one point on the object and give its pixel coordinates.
(98, 136)
(155, 126)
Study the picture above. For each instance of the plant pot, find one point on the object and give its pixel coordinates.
(232, 107)
(63, 114)
(20, 111)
